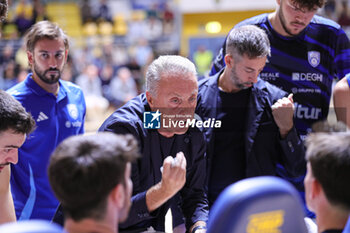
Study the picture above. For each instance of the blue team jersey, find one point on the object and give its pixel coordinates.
(56, 119)
(304, 65)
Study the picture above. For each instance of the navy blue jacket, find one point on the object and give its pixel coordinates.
(146, 171)
(264, 148)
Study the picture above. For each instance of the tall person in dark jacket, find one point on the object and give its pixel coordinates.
(171, 170)
(257, 131)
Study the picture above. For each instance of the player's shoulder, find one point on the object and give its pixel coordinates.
(342, 85)
(322, 22)
(255, 20)
(20, 91)
(70, 86)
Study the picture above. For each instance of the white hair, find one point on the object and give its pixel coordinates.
(165, 66)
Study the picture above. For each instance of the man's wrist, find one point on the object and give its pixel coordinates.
(284, 132)
(165, 190)
(199, 227)
(156, 196)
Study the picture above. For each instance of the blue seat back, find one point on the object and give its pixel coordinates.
(31, 226)
(258, 205)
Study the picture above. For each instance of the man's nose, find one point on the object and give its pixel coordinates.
(52, 62)
(300, 17)
(254, 77)
(13, 158)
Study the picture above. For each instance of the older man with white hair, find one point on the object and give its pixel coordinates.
(172, 168)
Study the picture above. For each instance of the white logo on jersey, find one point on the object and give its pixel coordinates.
(305, 90)
(316, 77)
(68, 124)
(42, 117)
(269, 76)
(303, 112)
(76, 124)
(73, 111)
(314, 58)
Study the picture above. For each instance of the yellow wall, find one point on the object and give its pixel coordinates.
(193, 25)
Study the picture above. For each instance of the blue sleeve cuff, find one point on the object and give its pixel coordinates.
(291, 141)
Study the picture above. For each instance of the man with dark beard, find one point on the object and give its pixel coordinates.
(307, 53)
(58, 108)
(257, 130)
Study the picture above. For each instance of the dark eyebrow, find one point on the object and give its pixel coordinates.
(45, 51)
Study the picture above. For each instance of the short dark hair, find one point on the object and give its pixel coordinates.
(83, 170)
(44, 30)
(248, 40)
(3, 9)
(13, 116)
(309, 4)
(329, 157)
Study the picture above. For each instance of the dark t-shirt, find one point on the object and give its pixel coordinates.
(228, 163)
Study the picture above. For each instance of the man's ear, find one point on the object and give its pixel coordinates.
(229, 61)
(30, 56)
(118, 195)
(66, 55)
(149, 99)
(316, 188)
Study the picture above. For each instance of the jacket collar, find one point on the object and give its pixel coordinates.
(210, 94)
